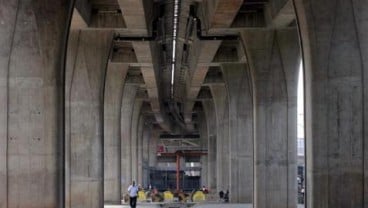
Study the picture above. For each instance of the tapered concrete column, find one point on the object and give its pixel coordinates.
(33, 43)
(126, 126)
(209, 110)
(335, 44)
(239, 88)
(86, 119)
(134, 139)
(72, 50)
(274, 59)
(140, 130)
(115, 77)
(291, 58)
(204, 145)
(146, 140)
(220, 99)
(153, 141)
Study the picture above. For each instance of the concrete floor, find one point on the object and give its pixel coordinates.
(209, 205)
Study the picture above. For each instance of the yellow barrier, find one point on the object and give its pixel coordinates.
(198, 196)
(168, 196)
(141, 196)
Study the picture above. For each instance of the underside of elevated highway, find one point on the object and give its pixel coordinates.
(181, 94)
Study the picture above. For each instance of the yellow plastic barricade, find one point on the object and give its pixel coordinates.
(141, 196)
(168, 196)
(198, 196)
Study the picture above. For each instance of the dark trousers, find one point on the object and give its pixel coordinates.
(133, 202)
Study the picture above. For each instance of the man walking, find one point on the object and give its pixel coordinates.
(133, 192)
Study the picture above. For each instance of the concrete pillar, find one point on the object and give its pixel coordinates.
(204, 145)
(72, 50)
(145, 153)
(220, 98)
(153, 141)
(86, 119)
(140, 130)
(115, 77)
(134, 139)
(274, 60)
(32, 39)
(335, 48)
(209, 110)
(240, 91)
(126, 126)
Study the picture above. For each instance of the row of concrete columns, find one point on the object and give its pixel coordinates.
(256, 121)
(334, 45)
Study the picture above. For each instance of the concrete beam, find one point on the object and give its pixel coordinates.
(221, 13)
(107, 20)
(123, 52)
(78, 22)
(135, 13)
(279, 14)
(81, 14)
(143, 52)
(207, 50)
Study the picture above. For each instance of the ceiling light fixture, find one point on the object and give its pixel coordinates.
(175, 33)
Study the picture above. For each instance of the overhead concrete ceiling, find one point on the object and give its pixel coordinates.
(175, 67)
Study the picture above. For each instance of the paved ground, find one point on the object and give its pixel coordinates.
(209, 205)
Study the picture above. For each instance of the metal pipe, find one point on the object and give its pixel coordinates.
(211, 37)
(198, 32)
(153, 37)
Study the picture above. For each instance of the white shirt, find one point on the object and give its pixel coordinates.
(133, 191)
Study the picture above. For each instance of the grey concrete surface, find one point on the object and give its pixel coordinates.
(208, 107)
(239, 81)
(140, 164)
(127, 108)
(86, 118)
(6, 39)
(72, 50)
(114, 85)
(146, 134)
(203, 145)
(275, 94)
(334, 39)
(31, 66)
(134, 139)
(221, 13)
(222, 134)
(200, 62)
(104, 137)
